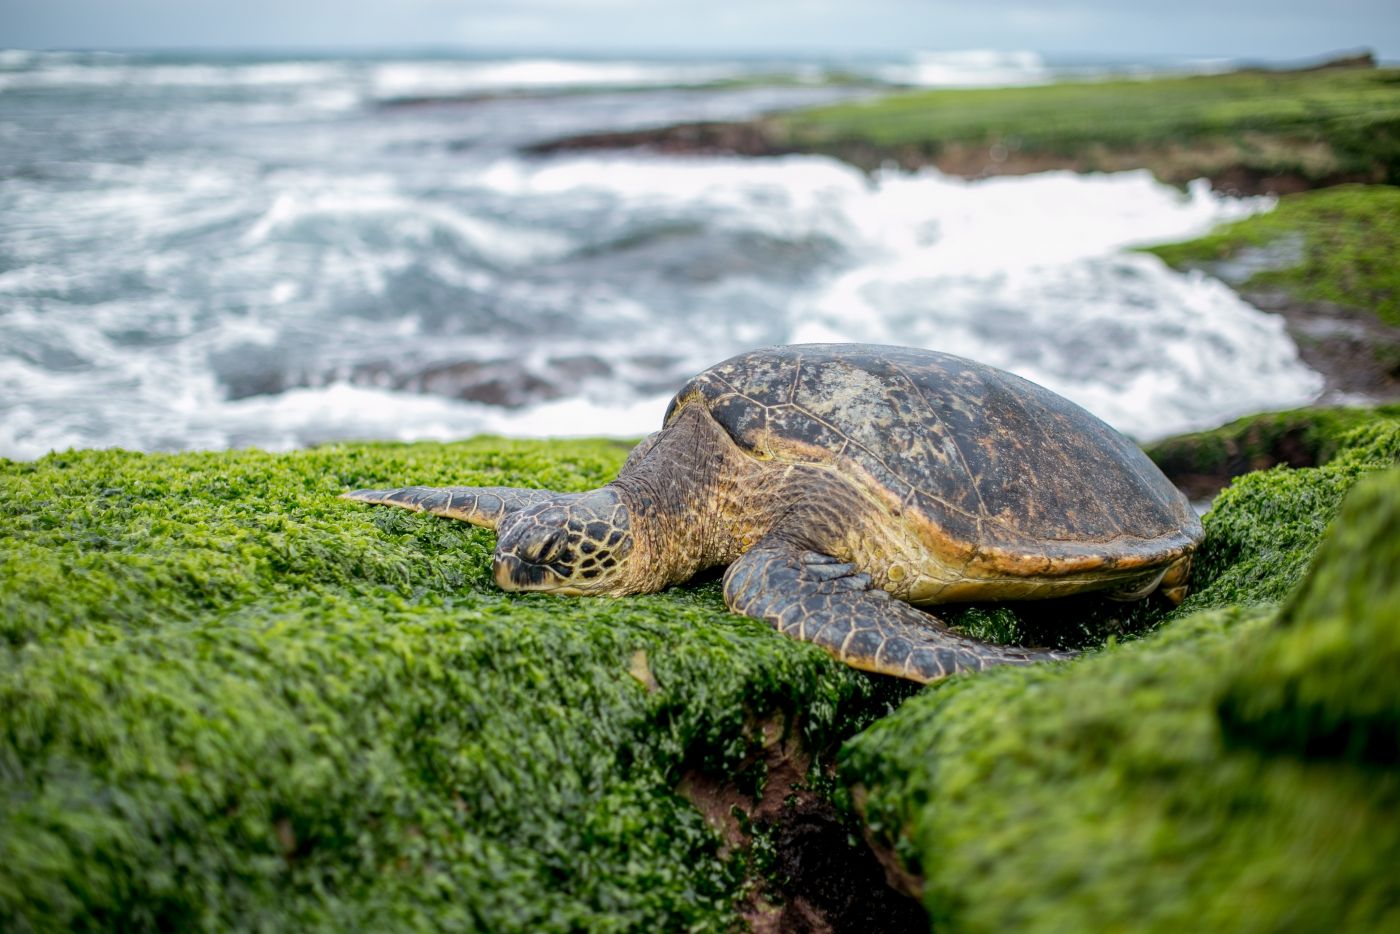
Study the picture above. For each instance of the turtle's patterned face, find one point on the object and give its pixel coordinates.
(576, 544)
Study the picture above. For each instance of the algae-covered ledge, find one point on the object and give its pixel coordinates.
(231, 700)
(1325, 261)
(1252, 130)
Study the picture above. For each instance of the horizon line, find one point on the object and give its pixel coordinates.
(463, 49)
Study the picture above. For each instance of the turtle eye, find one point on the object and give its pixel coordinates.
(546, 549)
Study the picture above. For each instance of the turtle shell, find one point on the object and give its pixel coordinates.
(987, 466)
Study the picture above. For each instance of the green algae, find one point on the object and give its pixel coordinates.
(231, 700)
(1264, 528)
(1295, 438)
(1317, 125)
(1139, 786)
(1350, 237)
(1322, 683)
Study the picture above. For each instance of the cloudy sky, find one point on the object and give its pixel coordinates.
(1276, 29)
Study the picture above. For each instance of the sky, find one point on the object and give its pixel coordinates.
(1260, 29)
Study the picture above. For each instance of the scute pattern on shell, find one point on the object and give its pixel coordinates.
(978, 457)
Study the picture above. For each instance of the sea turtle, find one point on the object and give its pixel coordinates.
(842, 483)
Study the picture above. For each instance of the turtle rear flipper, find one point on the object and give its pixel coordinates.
(816, 598)
(480, 505)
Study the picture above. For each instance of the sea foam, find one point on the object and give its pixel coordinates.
(231, 271)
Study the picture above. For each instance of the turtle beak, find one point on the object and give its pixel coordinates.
(505, 568)
(513, 574)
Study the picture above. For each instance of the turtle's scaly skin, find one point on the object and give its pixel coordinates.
(864, 627)
(834, 477)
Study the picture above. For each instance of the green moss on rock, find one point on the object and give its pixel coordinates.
(1104, 794)
(1262, 531)
(1347, 239)
(1316, 125)
(230, 700)
(1322, 682)
(1294, 438)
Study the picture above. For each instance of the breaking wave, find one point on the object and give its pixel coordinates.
(285, 276)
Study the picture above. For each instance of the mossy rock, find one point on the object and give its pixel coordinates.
(1338, 245)
(1323, 681)
(1315, 127)
(229, 700)
(1309, 437)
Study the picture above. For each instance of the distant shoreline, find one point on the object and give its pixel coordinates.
(1239, 129)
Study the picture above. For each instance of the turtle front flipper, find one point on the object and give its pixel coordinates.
(480, 505)
(816, 598)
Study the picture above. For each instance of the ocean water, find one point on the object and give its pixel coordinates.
(210, 252)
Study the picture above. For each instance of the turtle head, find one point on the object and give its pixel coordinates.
(569, 544)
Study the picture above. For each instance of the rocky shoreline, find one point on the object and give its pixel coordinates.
(1357, 355)
(1175, 164)
(1277, 154)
